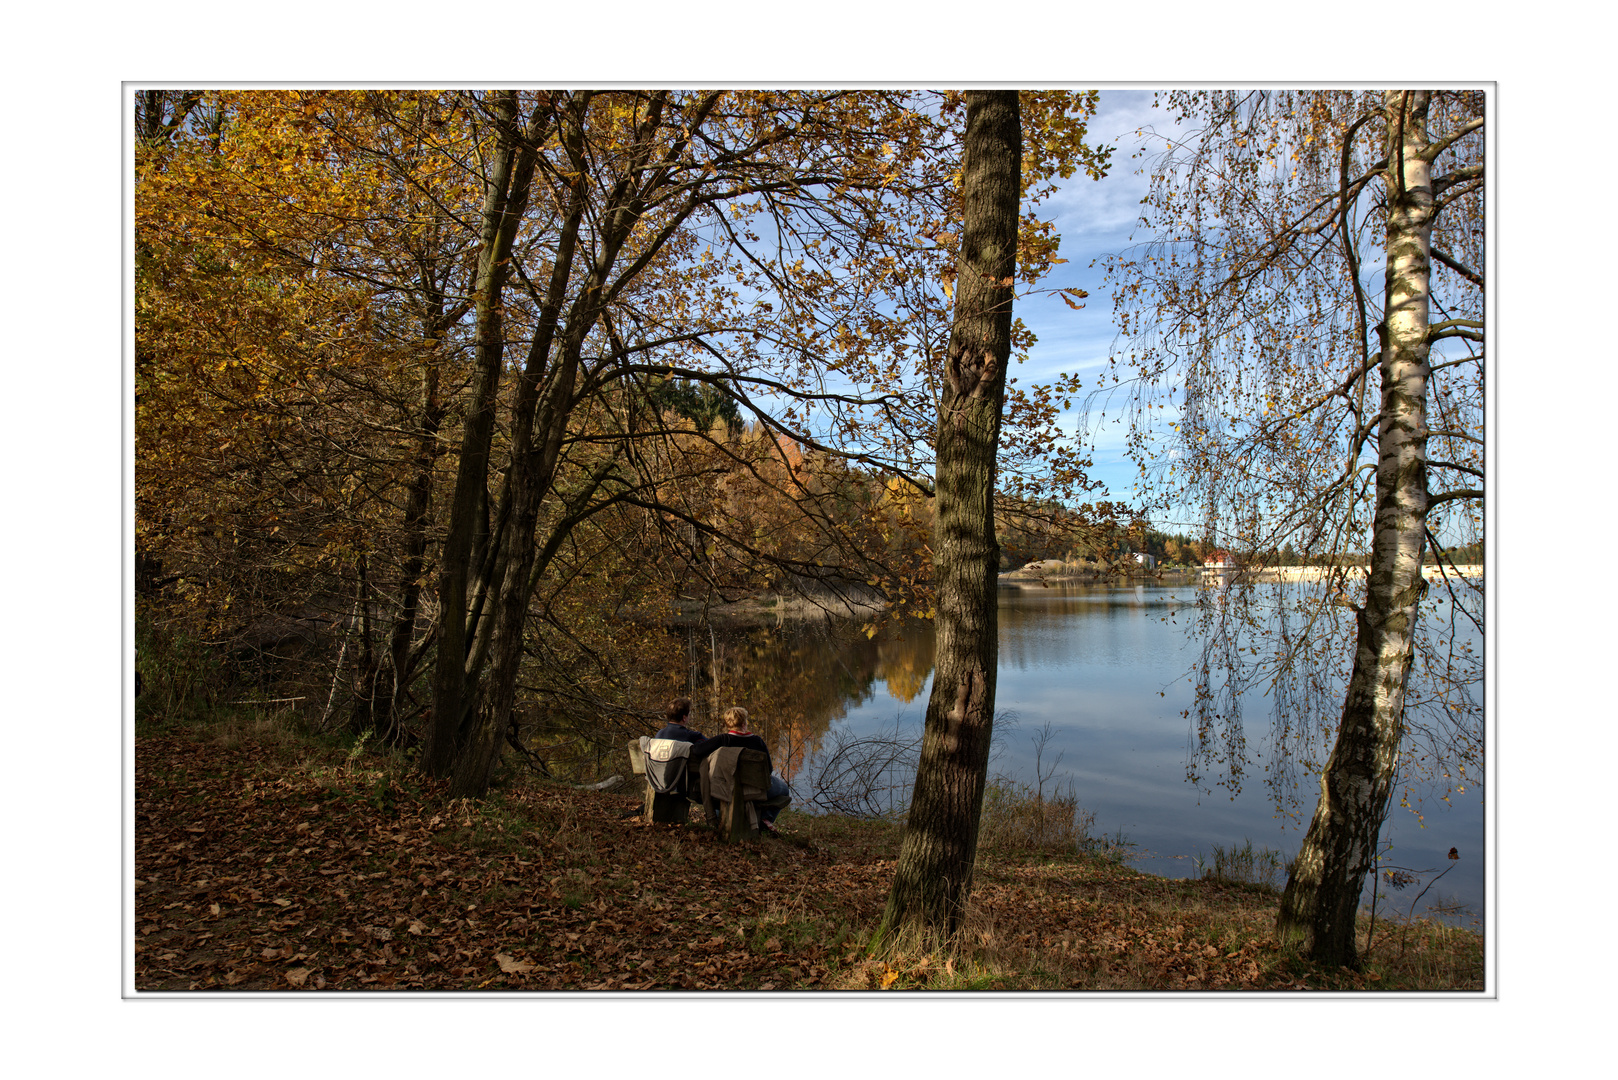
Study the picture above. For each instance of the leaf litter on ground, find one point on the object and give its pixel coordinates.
(258, 873)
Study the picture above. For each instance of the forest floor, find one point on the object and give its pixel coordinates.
(263, 863)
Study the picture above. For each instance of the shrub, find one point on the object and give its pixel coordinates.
(1020, 818)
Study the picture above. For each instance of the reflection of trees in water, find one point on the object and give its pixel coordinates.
(1102, 620)
(905, 659)
(796, 679)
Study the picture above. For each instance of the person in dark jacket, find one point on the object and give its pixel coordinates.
(678, 712)
(736, 734)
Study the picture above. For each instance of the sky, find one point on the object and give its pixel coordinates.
(1094, 218)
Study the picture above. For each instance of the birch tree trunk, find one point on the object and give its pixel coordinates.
(1323, 892)
(934, 874)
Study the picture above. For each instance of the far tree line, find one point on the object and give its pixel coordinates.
(1179, 549)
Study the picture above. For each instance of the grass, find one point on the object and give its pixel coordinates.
(573, 882)
(1264, 869)
(1019, 818)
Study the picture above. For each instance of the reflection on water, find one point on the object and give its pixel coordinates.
(798, 679)
(1106, 667)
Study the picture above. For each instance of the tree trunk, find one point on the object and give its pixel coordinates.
(539, 424)
(418, 509)
(528, 481)
(934, 875)
(503, 206)
(1322, 895)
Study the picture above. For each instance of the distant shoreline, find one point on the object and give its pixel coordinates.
(1036, 574)
(1315, 573)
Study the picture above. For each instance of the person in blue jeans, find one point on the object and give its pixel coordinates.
(736, 734)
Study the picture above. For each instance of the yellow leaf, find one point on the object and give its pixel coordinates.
(889, 979)
(512, 966)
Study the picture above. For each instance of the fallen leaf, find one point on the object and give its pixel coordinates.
(512, 966)
(297, 976)
(889, 979)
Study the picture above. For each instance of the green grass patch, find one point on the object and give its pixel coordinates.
(1262, 868)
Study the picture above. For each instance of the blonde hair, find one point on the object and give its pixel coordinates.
(735, 716)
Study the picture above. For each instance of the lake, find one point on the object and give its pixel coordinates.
(1106, 667)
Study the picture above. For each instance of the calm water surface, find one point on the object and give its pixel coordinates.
(1106, 667)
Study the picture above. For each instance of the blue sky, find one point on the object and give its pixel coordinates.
(1094, 218)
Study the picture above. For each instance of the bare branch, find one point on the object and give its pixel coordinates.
(1475, 358)
(1470, 329)
(1465, 271)
(1459, 176)
(1452, 496)
(1434, 149)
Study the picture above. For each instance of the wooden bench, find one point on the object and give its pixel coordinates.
(736, 818)
(732, 819)
(664, 807)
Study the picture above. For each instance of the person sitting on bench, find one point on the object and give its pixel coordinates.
(678, 712)
(675, 729)
(736, 734)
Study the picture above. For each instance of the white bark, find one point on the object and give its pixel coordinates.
(1322, 897)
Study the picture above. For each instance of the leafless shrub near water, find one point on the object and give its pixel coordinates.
(1021, 818)
(872, 776)
(868, 776)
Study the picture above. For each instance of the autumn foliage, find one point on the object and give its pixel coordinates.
(444, 401)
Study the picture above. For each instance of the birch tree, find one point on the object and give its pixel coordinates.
(1307, 321)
